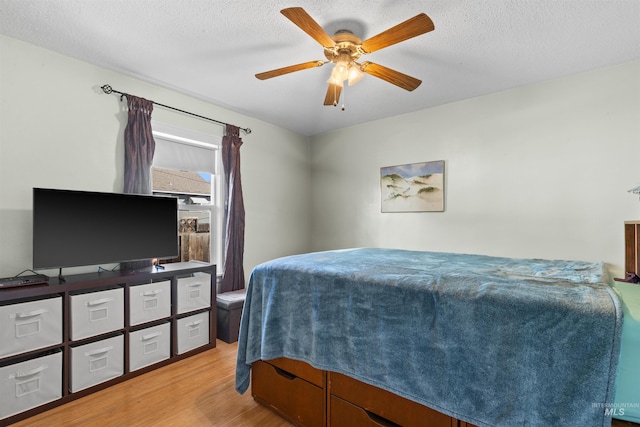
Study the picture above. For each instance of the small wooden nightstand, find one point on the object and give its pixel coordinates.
(632, 247)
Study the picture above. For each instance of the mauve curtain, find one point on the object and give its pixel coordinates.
(139, 146)
(233, 277)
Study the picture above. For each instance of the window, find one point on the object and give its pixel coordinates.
(188, 165)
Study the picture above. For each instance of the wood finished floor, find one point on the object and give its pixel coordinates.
(198, 391)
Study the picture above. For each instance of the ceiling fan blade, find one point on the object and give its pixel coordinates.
(333, 95)
(392, 76)
(302, 19)
(410, 28)
(289, 69)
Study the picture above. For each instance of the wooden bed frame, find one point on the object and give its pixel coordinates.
(309, 397)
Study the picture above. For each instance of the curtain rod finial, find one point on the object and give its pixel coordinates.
(107, 89)
(247, 131)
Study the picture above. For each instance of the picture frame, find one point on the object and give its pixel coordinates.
(413, 187)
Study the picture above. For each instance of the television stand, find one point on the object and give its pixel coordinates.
(76, 335)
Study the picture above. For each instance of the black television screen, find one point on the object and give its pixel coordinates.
(78, 228)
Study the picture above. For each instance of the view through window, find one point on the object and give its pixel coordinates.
(194, 193)
(186, 166)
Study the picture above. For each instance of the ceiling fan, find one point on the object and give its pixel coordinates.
(344, 49)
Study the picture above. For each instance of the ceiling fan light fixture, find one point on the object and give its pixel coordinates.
(341, 71)
(355, 74)
(335, 81)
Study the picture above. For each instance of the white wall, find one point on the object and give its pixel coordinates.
(58, 130)
(539, 171)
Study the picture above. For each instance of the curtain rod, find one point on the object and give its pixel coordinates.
(108, 89)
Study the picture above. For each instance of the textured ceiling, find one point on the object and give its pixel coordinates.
(212, 48)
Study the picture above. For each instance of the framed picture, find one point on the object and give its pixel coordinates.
(416, 187)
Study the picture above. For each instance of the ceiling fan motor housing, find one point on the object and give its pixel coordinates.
(347, 48)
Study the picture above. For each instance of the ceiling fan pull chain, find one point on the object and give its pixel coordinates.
(344, 96)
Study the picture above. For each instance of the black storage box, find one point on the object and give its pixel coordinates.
(228, 314)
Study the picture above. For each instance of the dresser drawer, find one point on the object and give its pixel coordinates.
(345, 414)
(149, 302)
(194, 292)
(378, 406)
(193, 332)
(96, 313)
(30, 383)
(148, 346)
(301, 370)
(96, 363)
(300, 401)
(30, 325)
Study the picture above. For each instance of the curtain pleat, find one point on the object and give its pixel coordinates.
(233, 276)
(139, 146)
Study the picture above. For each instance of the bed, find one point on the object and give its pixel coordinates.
(488, 341)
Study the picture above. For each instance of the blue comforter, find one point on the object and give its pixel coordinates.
(492, 341)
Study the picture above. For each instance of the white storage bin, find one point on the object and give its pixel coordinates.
(194, 292)
(149, 346)
(30, 325)
(96, 363)
(96, 313)
(31, 383)
(149, 302)
(193, 332)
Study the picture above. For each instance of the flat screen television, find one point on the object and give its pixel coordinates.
(79, 228)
